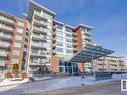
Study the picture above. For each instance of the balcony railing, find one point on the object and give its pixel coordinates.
(41, 37)
(39, 45)
(2, 63)
(3, 53)
(4, 44)
(41, 23)
(40, 29)
(39, 15)
(5, 27)
(5, 35)
(39, 53)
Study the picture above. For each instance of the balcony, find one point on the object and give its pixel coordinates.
(3, 53)
(75, 50)
(39, 37)
(5, 36)
(38, 54)
(37, 62)
(75, 44)
(6, 28)
(7, 20)
(40, 30)
(53, 46)
(74, 39)
(3, 44)
(53, 52)
(74, 34)
(3, 63)
(38, 45)
(40, 23)
(40, 16)
(88, 38)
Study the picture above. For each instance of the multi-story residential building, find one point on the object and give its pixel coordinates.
(41, 20)
(110, 64)
(39, 43)
(12, 31)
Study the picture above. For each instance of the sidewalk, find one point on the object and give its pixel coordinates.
(17, 81)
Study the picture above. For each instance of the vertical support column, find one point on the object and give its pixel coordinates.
(92, 68)
(104, 63)
(72, 69)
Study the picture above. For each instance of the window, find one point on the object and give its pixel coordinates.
(69, 40)
(68, 35)
(59, 26)
(59, 38)
(14, 60)
(59, 43)
(69, 46)
(68, 29)
(59, 49)
(59, 32)
(18, 37)
(19, 30)
(20, 23)
(69, 51)
(18, 45)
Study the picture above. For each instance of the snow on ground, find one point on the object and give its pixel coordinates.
(60, 83)
(77, 81)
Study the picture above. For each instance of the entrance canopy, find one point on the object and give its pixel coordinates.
(90, 52)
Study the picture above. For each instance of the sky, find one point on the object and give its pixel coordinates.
(108, 17)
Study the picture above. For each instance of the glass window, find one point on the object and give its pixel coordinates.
(69, 51)
(69, 45)
(59, 26)
(68, 35)
(59, 49)
(68, 29)
(18, 45)
(59, 38)
(19, 30)
(59, 43)
(59, 32)
(69, 40)
(18, 37)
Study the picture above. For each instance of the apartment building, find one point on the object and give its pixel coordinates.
(12, 31)
(39, 43)
(41, 20)
(111, 64)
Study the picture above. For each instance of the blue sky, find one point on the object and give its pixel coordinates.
(108, 17)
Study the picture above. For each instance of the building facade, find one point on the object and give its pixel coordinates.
(111, 64)
(38, 43)
(12, 33)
